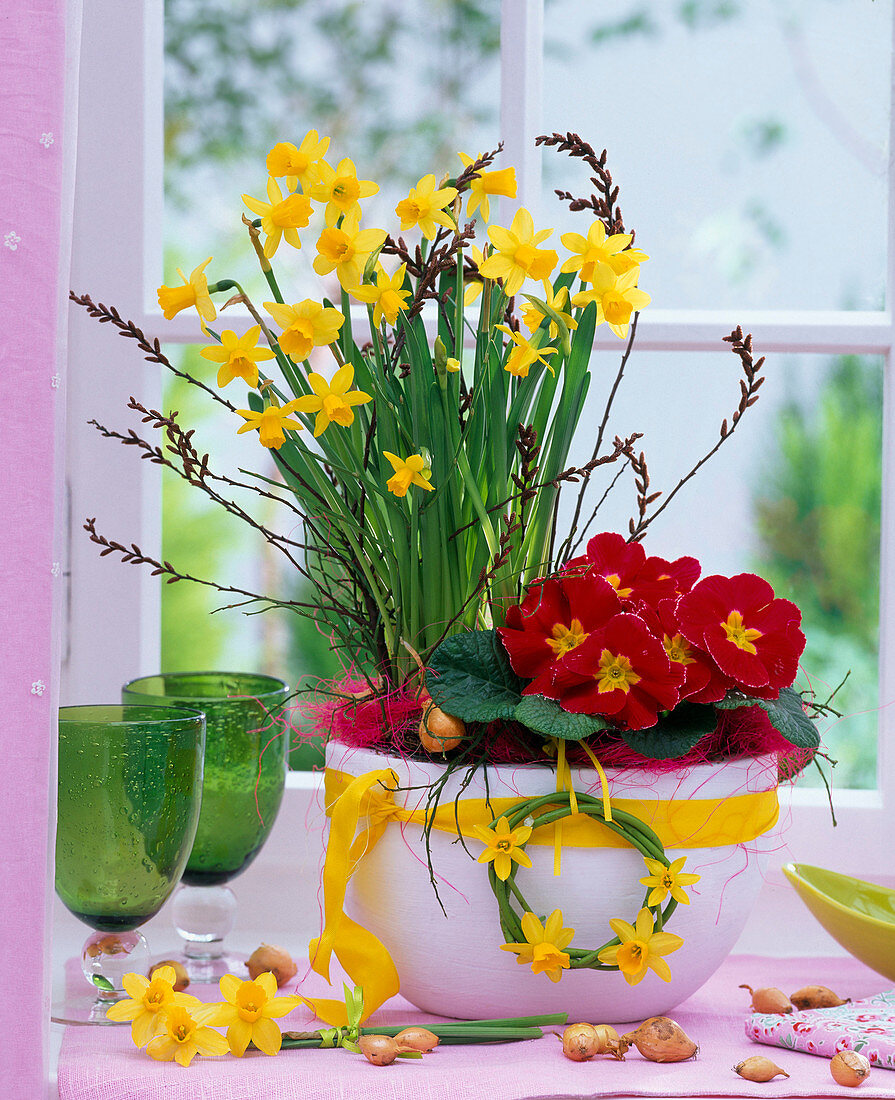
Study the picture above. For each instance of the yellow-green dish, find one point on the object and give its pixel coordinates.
(857, 914)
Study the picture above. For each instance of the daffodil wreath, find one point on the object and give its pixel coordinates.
(547, 809)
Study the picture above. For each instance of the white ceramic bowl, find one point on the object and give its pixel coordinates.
(450, 963)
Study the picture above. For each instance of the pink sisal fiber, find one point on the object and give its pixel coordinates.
(388, 721)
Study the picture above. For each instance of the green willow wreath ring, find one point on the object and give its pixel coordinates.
(636, 832)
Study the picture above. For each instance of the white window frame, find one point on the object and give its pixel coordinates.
(114, 610)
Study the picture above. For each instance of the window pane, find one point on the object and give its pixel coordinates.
(399, 86)
(749, 141)
(793, 495)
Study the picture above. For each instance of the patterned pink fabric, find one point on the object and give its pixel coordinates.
(867, 1026)
(101, 1063)
(34, 250)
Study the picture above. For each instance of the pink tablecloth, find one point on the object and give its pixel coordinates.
(101, 1063)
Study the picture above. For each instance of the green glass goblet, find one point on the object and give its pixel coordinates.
(130, 782)
(245, 773)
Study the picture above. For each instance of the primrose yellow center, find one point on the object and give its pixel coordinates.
(345, 191)
(615, 673)
(616, 309)
(615, 580)
(566, 638)
(632, 956)
(678, 650)
(738, 633)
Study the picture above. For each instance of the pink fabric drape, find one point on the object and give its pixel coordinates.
(38, 52)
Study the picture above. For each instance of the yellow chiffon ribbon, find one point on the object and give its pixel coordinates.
(360, 808)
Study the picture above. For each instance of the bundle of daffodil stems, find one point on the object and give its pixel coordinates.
(422, 445)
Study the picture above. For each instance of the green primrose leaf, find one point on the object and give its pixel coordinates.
(469, 676)
(546, 716)
(675, 733)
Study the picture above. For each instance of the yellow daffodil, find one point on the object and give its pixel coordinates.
(148, 1001)
(185, 1035)
(238, 356)
(523, 355)
(298, 164)
(617, 297)
(485, 184)
(516, 256)
(387, 295)
(598, 248)
(641, 948)
(271, 424)
(306, 325)
(473, 287)
(413, 470)
(346, 249)
(249, 1011)
(534, 313)
(340, 189)
(280, 217)
(452, 366)
(194, 292)
(334, 401)
(503, 846)
(543, 949)
(668, 880)
(424, 206)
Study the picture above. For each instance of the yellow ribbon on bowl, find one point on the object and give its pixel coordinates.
(361, 807)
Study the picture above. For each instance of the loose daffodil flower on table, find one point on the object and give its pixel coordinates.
(306, 325)
(239, 356)
(334, 401)
(544, 946)
(186, 1034)
(280, 217)
(249, 1011)
(148, 1001)
(503, 846)
(298, 164)
(641, 948)
(668, 880)
(485, 184)
(194, 292)
(413, 470)
(388, 296)
(424, 206)
(617, 297)
(516, 256)
(271, 424)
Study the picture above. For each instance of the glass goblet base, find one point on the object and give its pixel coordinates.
(203, 915)
(105, 958)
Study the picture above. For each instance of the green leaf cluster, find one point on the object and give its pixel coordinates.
(470, 677)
